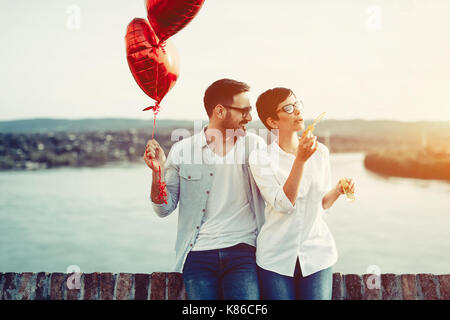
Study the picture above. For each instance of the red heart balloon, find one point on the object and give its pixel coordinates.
(169, 17)
(155, 68)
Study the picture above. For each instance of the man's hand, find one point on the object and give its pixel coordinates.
(307, 146)
(154, 155)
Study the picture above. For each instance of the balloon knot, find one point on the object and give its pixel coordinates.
(162, 46)
(155, 108)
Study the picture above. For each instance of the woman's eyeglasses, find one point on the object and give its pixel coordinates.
(289, 108)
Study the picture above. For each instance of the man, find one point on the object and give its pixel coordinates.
(221, 210)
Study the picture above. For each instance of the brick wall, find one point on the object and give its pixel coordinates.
(169, 286)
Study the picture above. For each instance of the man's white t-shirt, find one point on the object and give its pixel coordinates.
(228, 219)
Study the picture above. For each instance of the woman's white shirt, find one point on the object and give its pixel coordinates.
(292, 231)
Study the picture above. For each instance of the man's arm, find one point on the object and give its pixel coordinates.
(165, 184)
(158, 183)
(155, 158)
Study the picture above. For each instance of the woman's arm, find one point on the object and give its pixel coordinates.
(280, 197)
(306, 147)
(292, 185)
(330, 198)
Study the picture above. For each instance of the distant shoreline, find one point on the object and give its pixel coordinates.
(414, 163)
(51, 143)
(93, 149)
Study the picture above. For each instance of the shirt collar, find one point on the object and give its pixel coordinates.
(200, 138)
(275, 147)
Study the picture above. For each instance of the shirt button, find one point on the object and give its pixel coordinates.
(211, 174)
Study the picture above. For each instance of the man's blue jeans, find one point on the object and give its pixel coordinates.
(317, 286)
(228, 273)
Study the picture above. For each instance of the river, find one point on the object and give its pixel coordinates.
(100, 219)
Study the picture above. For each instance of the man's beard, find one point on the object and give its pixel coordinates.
(238, 128)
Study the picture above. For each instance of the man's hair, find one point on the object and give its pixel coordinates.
(222, 92)
(268, 102)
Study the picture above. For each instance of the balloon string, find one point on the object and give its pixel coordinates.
(155, 108)
(155, 112)
(162, 188)
(162, 185)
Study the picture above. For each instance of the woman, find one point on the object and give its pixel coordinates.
(295, 249)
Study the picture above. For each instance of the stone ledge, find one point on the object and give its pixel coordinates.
(169, 286)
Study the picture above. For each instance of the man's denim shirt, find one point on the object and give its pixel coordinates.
(188, 182)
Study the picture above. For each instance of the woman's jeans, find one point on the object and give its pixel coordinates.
(228, 273)
(317, 286)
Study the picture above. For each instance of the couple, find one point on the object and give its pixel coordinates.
(250, 215)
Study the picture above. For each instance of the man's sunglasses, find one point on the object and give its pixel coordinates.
(244, 111)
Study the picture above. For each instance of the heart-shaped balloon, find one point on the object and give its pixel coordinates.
(169, 17)
(155, 68)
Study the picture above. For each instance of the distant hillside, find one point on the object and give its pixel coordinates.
(377, 131)
(82, 125)
(390, 130)
(382, 130)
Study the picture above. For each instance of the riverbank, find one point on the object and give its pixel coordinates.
(45, 150)
(26, 151)
(30, 144)
(410, 163)
(75, 149)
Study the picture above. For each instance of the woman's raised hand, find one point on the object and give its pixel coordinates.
(307, 146)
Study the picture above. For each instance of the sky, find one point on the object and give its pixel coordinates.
(353, 59)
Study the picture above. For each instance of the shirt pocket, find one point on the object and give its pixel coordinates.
(190, 174)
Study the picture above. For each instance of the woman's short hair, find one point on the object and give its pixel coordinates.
(268, 102)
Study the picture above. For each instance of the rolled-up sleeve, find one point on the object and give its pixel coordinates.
(271, 190)
(326, 183)
(172, 180)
